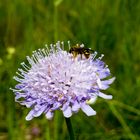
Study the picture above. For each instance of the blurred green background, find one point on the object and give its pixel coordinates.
(107, 26)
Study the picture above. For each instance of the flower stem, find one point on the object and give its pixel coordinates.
(69, 126)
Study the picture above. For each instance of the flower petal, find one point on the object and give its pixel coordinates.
(75, 107)
(39, 110)
(100, 94)
(56, 106)
(67, 112)
(49, 115)
(30, 115)
(109, 81)
(19, 95)
(104, 73)
(28, 104)
(99, 83)
(105, 84)
(87, 110)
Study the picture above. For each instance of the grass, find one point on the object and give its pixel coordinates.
(109, 27)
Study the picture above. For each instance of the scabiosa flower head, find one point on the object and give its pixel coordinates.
(56, 80)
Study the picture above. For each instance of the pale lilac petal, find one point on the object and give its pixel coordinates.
(99, 83)
(87, 110)
(39, 110)
(104, 87)
(20, 95)
(75, 107)
(100, 94)
(49, 115)
(56, 106)
(30, 115)
(109, 81)
(105, 84)
(67, 112)
(19, 86)
(27, 104)
(104, 73)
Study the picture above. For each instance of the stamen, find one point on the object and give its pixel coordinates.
(15, 90)
(35, 58)
(82, 46)
(25, 66)
(69, 45)
(20, 74)
(44, 52)
(22, 71)
(40, 55)
(94, 55)
(47, 49)
(18, 79)
(58, 45)
(41, 52)
(32, 60)
(62, 45)
(106, 66)
(52, 48)
(102, 55)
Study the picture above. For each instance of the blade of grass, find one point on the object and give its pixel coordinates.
(127, 107)
(122, 121)
(10, 116)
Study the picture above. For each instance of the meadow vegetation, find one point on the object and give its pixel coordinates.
(107, 26)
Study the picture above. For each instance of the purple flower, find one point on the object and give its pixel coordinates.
(55, 80)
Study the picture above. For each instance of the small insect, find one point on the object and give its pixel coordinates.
(80, 50)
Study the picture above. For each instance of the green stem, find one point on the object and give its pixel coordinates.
(69, 126)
